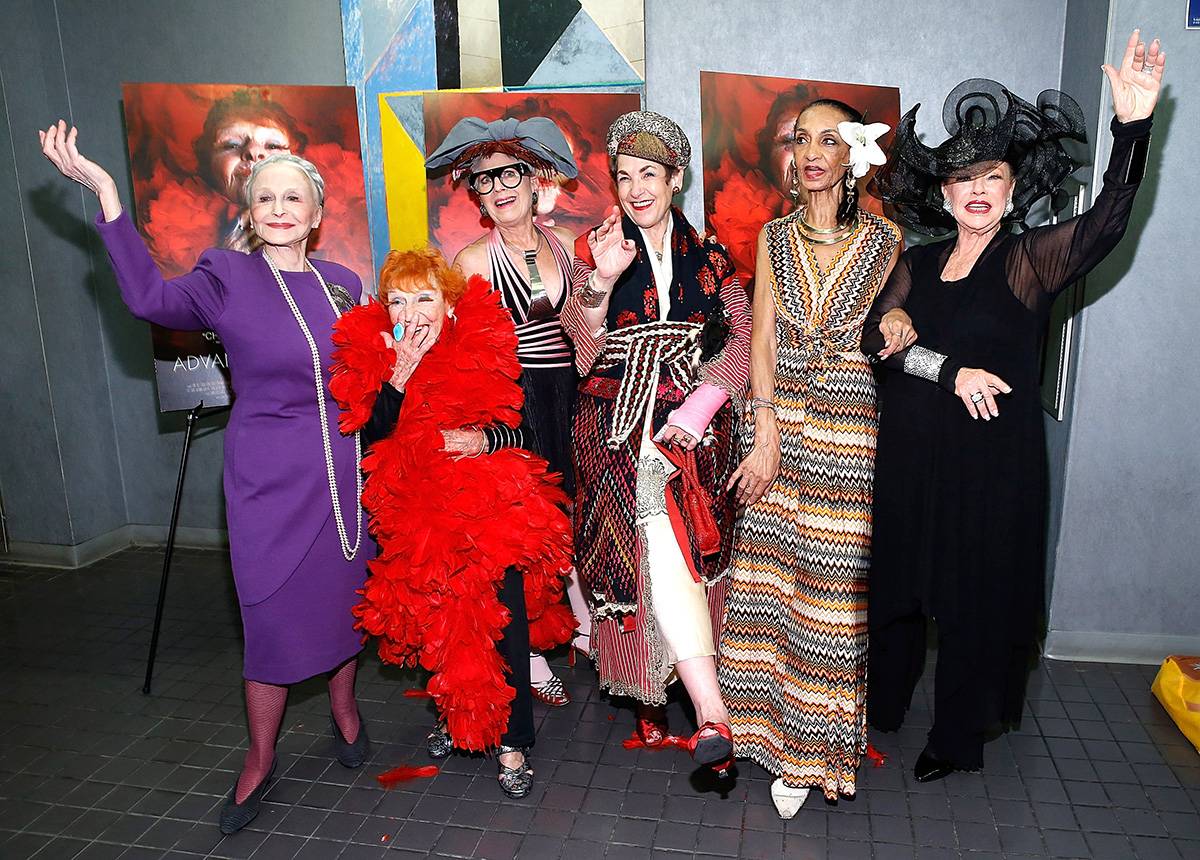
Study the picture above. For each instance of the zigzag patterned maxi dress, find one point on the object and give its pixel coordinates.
(794, 643)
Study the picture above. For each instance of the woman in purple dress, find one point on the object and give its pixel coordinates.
(292, 482)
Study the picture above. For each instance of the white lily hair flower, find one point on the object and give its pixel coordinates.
(864, 151)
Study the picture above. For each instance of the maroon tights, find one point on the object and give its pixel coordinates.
(264, 713)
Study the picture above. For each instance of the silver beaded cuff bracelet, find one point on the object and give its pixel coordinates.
(922, 362)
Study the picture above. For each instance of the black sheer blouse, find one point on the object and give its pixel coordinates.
(1039, 263)
(959, 504)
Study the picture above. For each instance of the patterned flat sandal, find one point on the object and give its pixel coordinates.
(438, 743)
(515, 781)
(550, 692)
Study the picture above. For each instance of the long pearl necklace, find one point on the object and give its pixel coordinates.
(348, 551)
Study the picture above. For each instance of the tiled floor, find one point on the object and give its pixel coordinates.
(89, 767)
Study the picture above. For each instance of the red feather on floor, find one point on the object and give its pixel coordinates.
(404, 773)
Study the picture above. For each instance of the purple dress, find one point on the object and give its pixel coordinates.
(294, 585)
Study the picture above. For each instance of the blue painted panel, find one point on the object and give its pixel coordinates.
(583, 56)
(406, 59)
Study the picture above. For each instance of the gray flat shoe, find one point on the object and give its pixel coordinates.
(351, 754)
(235, 816)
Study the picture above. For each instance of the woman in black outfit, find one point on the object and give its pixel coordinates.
(960, 479)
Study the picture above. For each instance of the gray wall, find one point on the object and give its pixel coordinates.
(919, 46)
(82, 449)
(1127, 582)
(1084, 45)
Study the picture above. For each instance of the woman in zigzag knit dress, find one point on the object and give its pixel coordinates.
(794, 643)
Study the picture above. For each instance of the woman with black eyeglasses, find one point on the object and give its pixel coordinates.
(504, 163)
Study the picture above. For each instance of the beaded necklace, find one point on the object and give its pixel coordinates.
(348, 551)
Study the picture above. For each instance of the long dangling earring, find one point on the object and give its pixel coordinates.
(482, 209)
(794, 184)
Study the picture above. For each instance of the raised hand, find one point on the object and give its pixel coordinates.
(610, 249)
(409, 350)
(1136, 85)
(58, 145)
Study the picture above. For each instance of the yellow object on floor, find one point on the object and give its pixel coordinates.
(1177, 686)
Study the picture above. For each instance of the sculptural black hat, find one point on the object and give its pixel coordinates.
(987, 124)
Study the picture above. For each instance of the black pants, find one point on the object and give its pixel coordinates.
(514, 648)
(960, 686)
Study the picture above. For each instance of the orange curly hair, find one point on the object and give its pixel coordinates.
(410, 271)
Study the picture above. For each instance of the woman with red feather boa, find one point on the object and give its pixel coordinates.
(474, 544)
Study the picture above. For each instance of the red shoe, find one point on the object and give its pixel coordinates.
(652, 725)
(712, 745)
(550, 692)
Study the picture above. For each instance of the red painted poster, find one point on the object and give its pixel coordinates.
(746, 123)
(191, 147)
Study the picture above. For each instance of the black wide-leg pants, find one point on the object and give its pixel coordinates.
(972, 684)
(514, 648)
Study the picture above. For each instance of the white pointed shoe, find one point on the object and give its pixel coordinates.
(787, 800)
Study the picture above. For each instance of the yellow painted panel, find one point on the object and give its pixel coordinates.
(404, 183)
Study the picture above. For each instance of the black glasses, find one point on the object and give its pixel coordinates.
(510, 176)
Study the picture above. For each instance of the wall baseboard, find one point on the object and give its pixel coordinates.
(1148, 649)
(102, 546)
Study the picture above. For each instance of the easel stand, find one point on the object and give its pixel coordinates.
(166, 570)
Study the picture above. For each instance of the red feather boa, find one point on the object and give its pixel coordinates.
(448, 528)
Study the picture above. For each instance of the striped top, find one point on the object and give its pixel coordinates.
(540, 342)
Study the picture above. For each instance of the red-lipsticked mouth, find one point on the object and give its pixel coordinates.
(978, 207)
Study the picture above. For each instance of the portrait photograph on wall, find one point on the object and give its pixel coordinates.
(191, 148)
(577, 204)
(746, 125)
(398, 49)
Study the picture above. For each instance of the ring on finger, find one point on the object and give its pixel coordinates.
(977, 397)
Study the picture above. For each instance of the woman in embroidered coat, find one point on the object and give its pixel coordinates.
(473, 544)
(661, 330)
